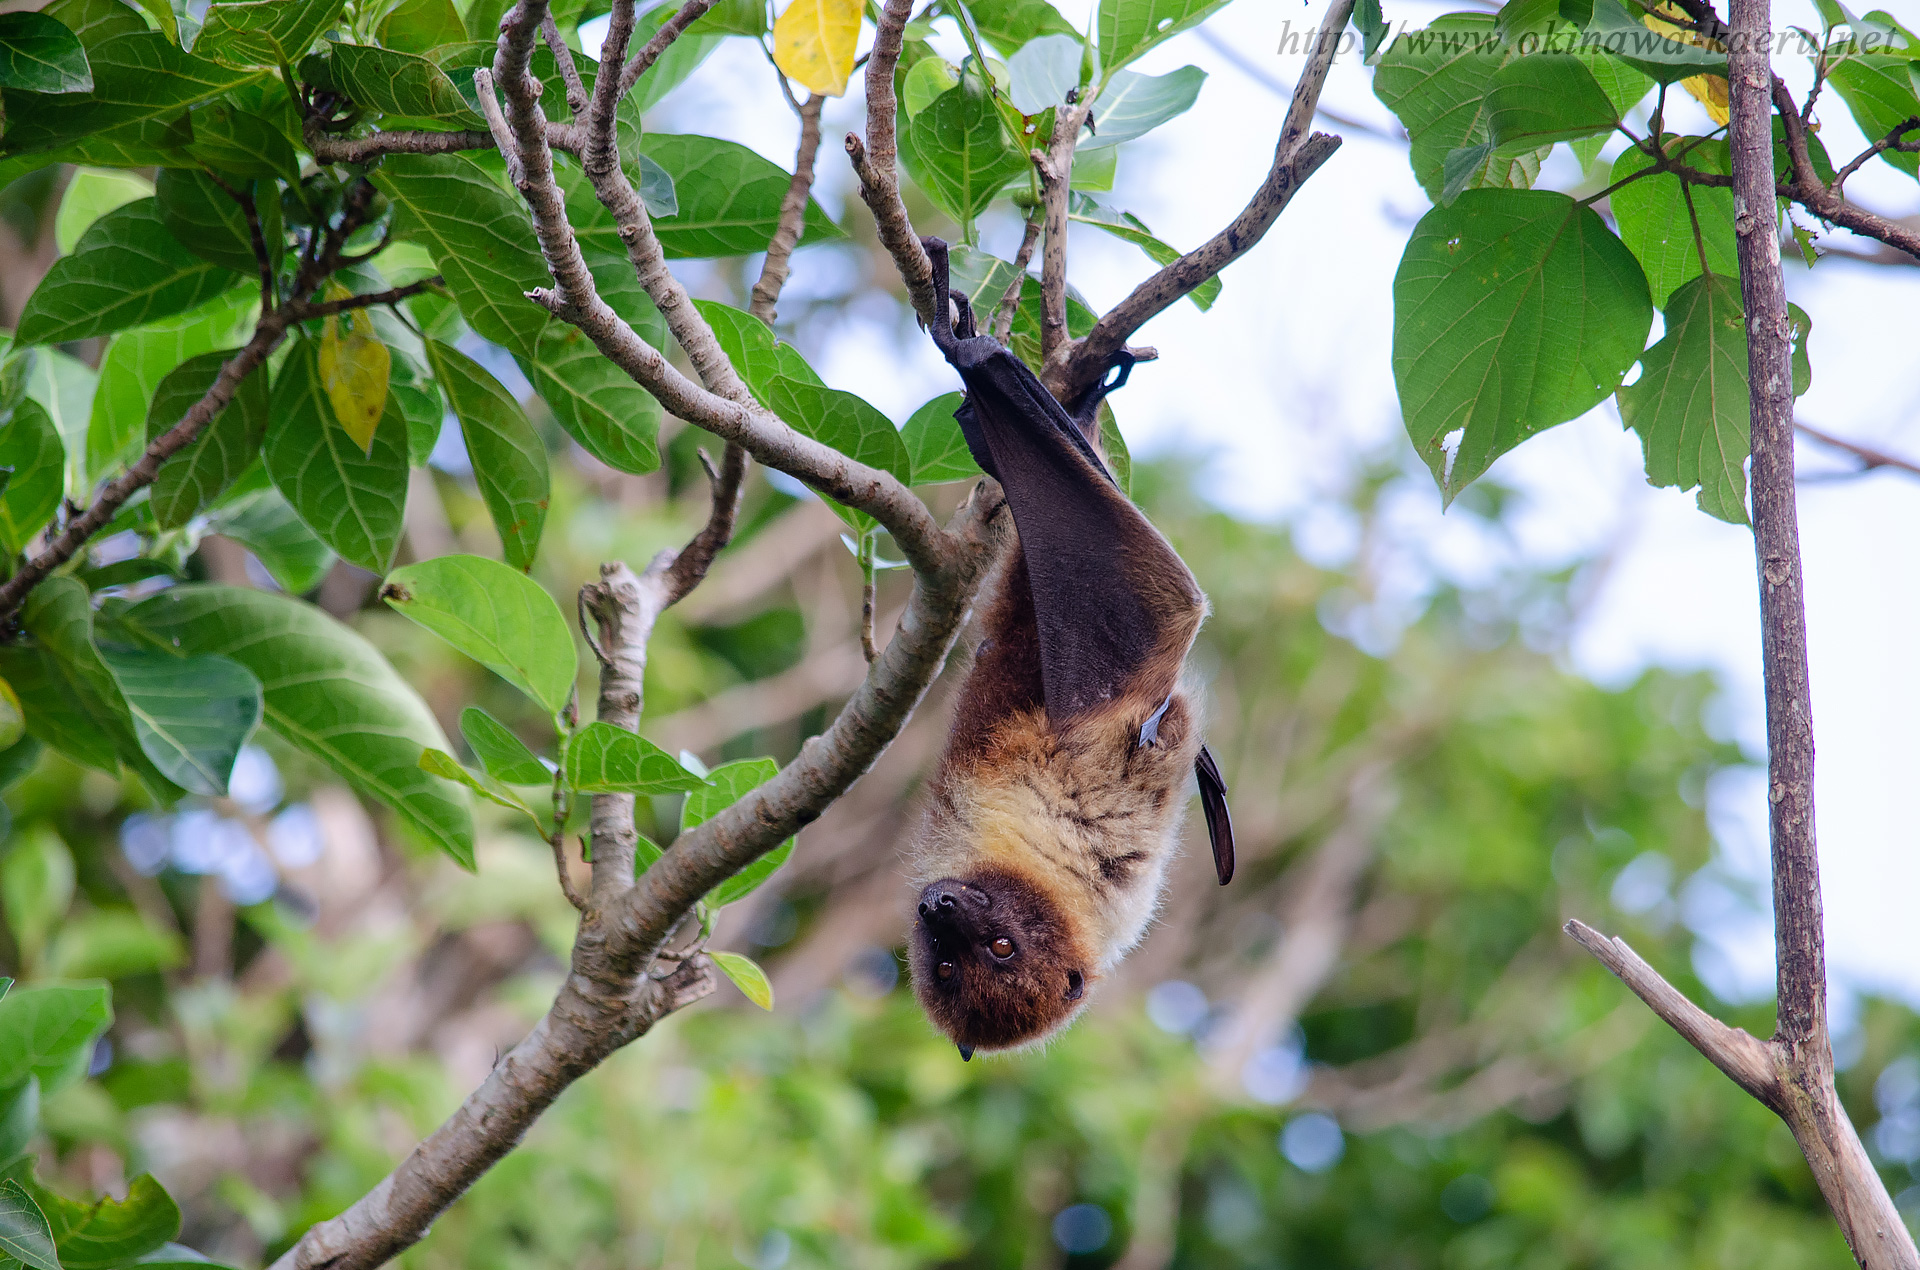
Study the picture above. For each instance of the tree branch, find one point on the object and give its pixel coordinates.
(1055, 166)
(876, 162)
(650, 53)
(1870, 458)
(1010, 300)
(1296, 157)
(793, 215)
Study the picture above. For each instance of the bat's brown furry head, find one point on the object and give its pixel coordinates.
(996, 963)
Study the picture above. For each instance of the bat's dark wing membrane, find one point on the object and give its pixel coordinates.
(1088, 549)
(1213, 802)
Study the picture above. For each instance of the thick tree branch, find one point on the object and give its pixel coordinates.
(876, 161)
(1793, 1072)
(267, 334)
(1296, 157)
(1055, 166)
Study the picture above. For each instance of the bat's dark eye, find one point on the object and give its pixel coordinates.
(944, 970)
(1001, 948)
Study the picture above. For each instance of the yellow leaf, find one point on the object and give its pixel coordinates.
(813, 43)
(354, 366)
(746, 976)
(1709, 90)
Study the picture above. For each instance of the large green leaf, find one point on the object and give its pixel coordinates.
(480, 240)
(126, 270)
(936, 450)
(65, 386)
(326, 691)
(496, 615)
(1881, 93)
(1437, 81)
(265, 32)
(726, 785)
(614, 419)
(1545, 98)
(729, 200)
(191, 714)
(1128, 28)
(72, 701)
(421, 26)
(1667, 61)
(1652, 213)
(138, 360)
(109, 1233)
(606, 759)
(241, 143)
(1010, 24)
(958, 150)
(1132, 104)
(393, 83)
(504, 755)
(47, 1032)
(354, 500)
(750, 345)
(841, 420)
(509, 461)
(201, 216)
(31, 451)
(40, 55)
(25, 1238)
(1513, 311)
(139, 78)
(263, 522)
(1690, 404)
(225, 448)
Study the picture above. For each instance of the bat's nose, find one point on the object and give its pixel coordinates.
(950, 902)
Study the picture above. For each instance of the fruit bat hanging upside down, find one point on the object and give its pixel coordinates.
(1057, 805)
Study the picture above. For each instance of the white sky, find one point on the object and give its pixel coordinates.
(1287, 382)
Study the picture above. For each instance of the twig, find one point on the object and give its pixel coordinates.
(690, 567)
(1870, 458)
(1892, 141)
(569, 69)
(793, 215)
(267, 334)
(669, 31)
(1010, 300)
(624, 606)
(362, 150)
(876, 161)
(1296, 157)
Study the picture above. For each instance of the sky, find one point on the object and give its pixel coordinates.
(1284, 388)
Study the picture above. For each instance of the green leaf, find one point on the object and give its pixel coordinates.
(1513, 311)
(72, 700)
(24, 1235)
(746, 976)
(732, 17)
(932, 76)
(726, 785)
(139, 78)
(41, 55)
(442, 764)
(421, 26)
(1882, 95)
(1545, 98)
(1125, 225)
(1652, 213)
(265, 32)
(680, 58)
(1009, 24)
(108, 1233)
(91, 194)
(393, 83)
(138, 360)
(504, 755)
(1132, 104)
(225, 448)
(96, 21)
(613, 419)
(127, 269)
(604, 759)
(326, 691)
(729, 200)
(241, 143)
(19, 1121)
(30, 449)
(958, 150)
(191, 715)
(36, 889)
(112, 944)
(1690, 404)
(936, 450)
(264, 523)
(13, 725)
(354, 500)
(1624, 36)
(750, 345)
(496, 615)
(1128, 28)
(480, 240)
(1372, 26)
(200, 215)
(1437, 80)
(508, 457)
(65, 386)
(48, 1033)
(841, 420)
